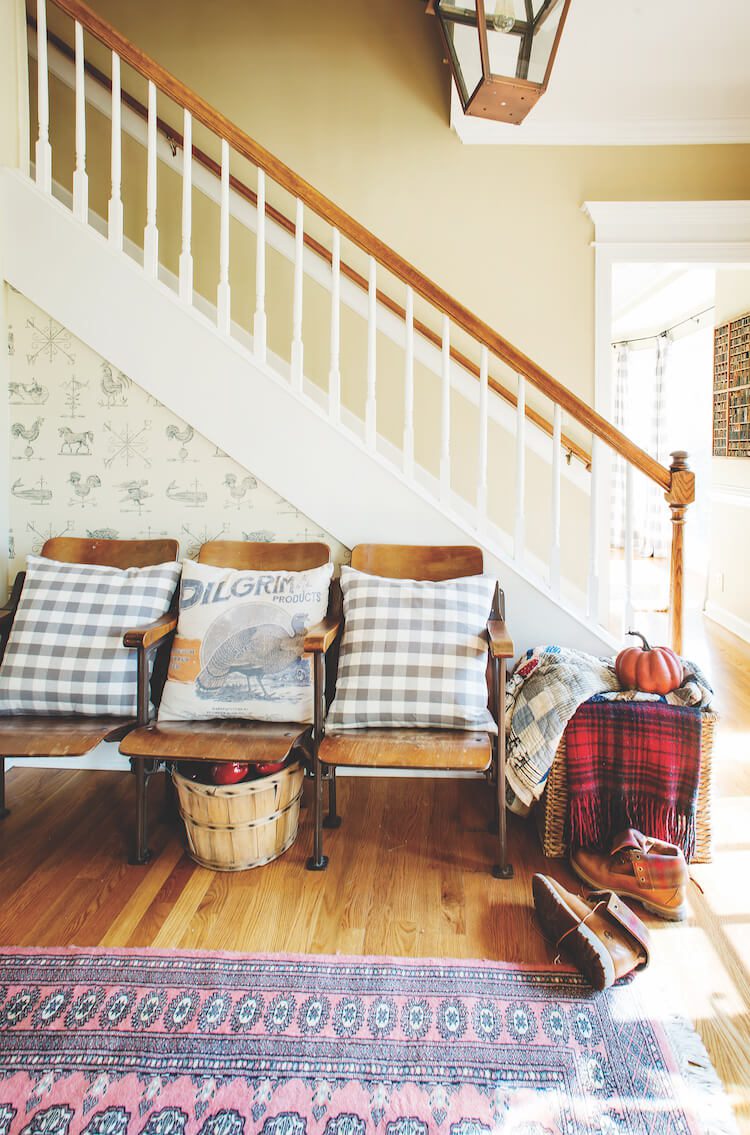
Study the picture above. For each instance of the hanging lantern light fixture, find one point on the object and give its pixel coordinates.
(501, 52)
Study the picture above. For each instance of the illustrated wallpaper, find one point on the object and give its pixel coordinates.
(92, 454)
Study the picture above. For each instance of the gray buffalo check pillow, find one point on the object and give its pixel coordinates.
(65, 652)
(413, 654)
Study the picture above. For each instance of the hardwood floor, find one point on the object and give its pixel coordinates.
(408, 876)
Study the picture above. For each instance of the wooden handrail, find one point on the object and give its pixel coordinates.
(459, 315)
(175, 139)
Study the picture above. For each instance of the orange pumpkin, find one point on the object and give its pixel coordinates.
(654, 670)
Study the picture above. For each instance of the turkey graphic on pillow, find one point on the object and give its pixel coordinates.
(245, 648)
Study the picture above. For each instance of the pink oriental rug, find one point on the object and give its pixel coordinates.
(96, 1042)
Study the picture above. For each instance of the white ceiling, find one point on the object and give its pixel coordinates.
(650, 298)
(639, 72)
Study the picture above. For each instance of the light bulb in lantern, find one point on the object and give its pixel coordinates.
(504, 16)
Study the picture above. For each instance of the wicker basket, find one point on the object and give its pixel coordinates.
(552, 809)
(236, 826)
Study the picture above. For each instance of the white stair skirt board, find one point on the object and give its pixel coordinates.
(73, 272)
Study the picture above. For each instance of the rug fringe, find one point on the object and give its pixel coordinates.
(699, 1073)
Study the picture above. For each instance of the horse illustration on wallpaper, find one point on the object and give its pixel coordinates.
(75, 444)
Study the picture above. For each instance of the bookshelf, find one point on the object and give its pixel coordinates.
(731, 426)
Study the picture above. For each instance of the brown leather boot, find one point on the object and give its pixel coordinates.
(650, 871)
(604, 939)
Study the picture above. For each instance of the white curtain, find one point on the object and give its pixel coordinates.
(652, 535)
(617, 533)
(640, 406)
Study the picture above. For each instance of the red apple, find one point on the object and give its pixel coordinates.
(229, 772)
(270, 767)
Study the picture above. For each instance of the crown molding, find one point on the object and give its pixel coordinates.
(669, 222)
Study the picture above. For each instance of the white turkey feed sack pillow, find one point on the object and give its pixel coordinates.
(238, 651)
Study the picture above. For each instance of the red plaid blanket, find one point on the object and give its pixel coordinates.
(633, 765)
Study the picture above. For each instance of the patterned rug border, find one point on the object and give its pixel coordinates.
(685, 1053)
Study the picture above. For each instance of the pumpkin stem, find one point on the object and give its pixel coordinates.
(637, 634)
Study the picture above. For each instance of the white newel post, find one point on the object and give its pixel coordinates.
(43, 155)
(151, 233)
(115, 213)
(223, 295)
(299, 268)
(260, 327)
(186, 254)
(409, 385)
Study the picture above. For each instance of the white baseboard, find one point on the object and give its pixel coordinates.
(728, 620)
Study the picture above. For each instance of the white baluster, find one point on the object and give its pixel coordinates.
(334, 375)
(520, 530)
(186, 256)
(299, 253)
(484, 367)
(409, 385)
(629, 620)
(371, 428)
(260, 326)
(80, 177)
(43, 154)
(593, 586)
(445, 424)
(114, 212)
(151, 233)
(223, 296)
(554, 559)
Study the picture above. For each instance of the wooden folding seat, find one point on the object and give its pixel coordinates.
(417, 749)
(68, 735)
(154, 742)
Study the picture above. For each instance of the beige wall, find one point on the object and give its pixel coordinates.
(729, 594)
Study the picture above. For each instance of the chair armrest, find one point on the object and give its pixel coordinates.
(146, 637)
(501, 644)
(323, 635)
(6, 618)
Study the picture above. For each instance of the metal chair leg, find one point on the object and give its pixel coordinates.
(3, 810)
(332, 820)
(317, 861)
(503, 869)
(141, 853)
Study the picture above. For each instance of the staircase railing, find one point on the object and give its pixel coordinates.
(677, 481)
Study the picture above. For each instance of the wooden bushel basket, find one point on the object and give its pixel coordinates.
(236, 826)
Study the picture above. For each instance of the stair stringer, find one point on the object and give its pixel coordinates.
(245, 407)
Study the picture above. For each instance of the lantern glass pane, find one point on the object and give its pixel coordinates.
(544, 40)
(504, 50)
(460, 24)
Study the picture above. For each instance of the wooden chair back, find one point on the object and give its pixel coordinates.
(245, 555)
(110, 553)
(417, 561)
